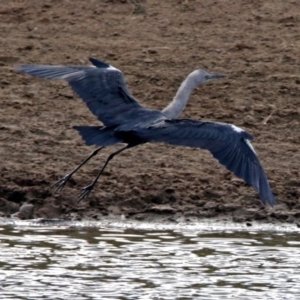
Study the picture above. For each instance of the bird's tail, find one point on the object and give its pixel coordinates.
(98, 135)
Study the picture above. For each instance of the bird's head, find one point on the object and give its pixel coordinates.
(201, 76)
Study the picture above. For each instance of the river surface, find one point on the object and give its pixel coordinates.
(107, 262)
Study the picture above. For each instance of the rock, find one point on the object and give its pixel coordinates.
(25, 212)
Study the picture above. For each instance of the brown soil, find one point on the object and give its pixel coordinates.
(156, 44)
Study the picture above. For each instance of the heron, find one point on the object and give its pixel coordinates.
(124, 120)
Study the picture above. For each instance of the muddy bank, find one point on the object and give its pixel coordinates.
(156, 45)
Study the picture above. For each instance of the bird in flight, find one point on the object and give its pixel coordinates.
(104, 90)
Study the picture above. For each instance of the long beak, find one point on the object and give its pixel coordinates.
(216, 76)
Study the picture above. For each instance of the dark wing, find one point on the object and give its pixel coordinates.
(228, 144)
(102, 88)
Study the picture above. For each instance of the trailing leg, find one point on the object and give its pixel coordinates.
(63, 181)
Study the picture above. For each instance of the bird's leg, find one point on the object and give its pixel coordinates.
(63, 181)
(86, 190)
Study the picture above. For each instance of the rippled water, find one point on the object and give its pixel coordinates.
(119, 263)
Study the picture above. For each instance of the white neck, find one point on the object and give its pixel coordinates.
(174, 109)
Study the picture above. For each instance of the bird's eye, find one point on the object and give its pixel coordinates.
(206, 77)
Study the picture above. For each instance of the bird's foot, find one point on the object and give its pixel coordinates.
(61, 184)
(85, 192)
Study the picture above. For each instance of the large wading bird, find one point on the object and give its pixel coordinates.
(102, 87)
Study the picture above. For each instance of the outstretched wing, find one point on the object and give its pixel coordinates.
(102, 87)
(228, 144)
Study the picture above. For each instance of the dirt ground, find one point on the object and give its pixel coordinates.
(156, 44)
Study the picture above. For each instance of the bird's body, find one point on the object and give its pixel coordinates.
(103, 89)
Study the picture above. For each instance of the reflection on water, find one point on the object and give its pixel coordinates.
(92, 263)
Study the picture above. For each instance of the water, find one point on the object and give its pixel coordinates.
(47, 262)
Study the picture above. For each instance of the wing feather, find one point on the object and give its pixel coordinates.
(230, 147)
(102, 88)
